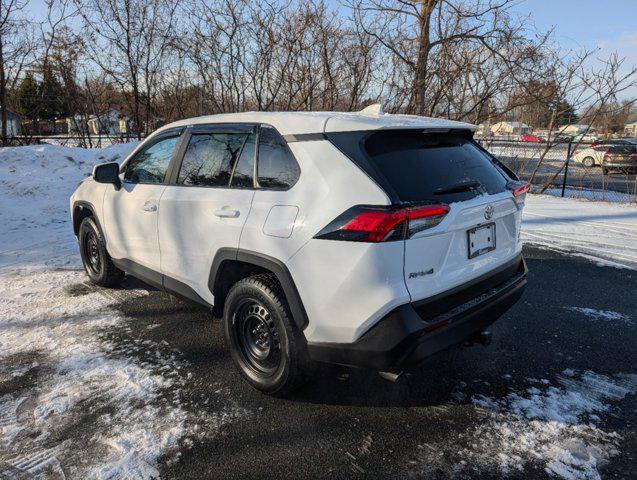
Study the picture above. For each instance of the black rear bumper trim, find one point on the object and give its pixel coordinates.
(403, 339)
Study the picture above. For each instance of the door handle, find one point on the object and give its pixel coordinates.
(149, 207)
(226, 213)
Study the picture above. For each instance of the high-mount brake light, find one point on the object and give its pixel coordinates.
(364, 223)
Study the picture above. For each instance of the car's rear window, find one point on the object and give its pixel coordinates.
(623, 150)
(422, 167)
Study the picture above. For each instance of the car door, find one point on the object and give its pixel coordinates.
(130, 212)
(206, 204)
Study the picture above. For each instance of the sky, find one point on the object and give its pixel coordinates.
(610, 25)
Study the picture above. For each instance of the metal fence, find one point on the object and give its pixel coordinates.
(552, 169)
(87, 141)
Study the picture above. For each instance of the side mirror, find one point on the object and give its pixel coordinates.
(107, 173)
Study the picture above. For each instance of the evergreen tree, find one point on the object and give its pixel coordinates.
(28, 98)
(52, 104)
(565, 113)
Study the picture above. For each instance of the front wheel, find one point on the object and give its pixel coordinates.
(588, 162)
(97, 262)
(264, 342)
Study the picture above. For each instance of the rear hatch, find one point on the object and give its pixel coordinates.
(623, 155)
(421, 169)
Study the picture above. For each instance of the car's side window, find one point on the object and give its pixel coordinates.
(151, 163)
(210, 159)
(276, 167)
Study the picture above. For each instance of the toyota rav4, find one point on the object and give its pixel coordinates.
(367, 240)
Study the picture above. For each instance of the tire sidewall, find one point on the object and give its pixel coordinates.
(237, 295)
(88, 226)
(588, 162)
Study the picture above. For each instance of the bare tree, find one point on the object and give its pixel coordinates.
(456, 58)
(129, 40)
(16, 48)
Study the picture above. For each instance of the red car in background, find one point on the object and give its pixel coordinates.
(529, 137)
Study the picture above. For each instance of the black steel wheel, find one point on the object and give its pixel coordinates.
(97, 262)
(257, 337)
(92, 253)
(266, 345)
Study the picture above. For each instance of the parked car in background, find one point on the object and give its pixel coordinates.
(585, 138)
(356, 239)
(620, 157)
(589, 157)
(617, 141)
(530, 137)
(561, 138)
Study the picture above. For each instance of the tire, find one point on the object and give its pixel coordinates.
(588, 162)
(605, 171)
(98, 264)
(265, 344)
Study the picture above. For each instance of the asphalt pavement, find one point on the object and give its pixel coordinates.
(351, 423)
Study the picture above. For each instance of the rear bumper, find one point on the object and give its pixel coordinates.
(410, 333)
(620, 165)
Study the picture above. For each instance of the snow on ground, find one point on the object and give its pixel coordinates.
(604, 232)
(593, 194)
(548, 428)
(80, 406)
(607, 315)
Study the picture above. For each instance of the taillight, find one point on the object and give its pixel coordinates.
(518, 189)
(365, 223)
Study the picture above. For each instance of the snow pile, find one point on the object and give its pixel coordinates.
(604, 232)
(35, 185)
(554, 429)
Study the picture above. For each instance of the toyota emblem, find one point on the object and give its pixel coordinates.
(488, 212)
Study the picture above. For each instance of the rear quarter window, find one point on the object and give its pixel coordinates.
(276, 166)
(623, 150)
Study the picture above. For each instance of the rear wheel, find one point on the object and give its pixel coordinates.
(588, 162)
(265, 343)
(97, 262)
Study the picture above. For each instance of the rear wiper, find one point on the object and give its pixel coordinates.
(459, 187)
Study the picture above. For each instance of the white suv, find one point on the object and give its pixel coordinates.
(358, 239)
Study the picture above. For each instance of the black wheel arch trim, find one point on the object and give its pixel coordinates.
(267, 262)
(82, 204)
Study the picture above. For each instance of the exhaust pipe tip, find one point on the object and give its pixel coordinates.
(483, 338)
(391, 376)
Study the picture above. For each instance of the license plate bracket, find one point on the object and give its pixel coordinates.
(481, 240)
